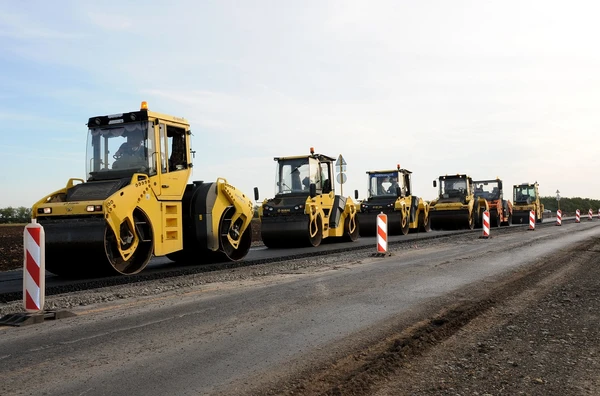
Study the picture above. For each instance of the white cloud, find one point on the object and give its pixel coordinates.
(20, 27)
(110, 21)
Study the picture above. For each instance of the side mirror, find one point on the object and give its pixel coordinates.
(256, 193)
(435, 183)
(312, 190)
(355, 194)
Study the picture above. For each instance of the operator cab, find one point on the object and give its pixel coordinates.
(453, 188)
(299, 175)
(121, 145)
(524, 193)
(488, 189)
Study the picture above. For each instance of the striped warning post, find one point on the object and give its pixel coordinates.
(577, 216)
(486, 225)
(531, 220)
(382, 233)
(33, 267)
(558, 217)
(590, 215)
(599, 213)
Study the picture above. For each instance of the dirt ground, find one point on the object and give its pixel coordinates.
(533, 333)
(11, 247)
(543, 340)
(11, 244)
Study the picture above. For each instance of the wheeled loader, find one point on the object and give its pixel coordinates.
(500, 209)
(390, 192)
(456, 206)
(136, 202)
(305, 209)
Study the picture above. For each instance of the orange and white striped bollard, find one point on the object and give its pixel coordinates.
(590, 215)
(599, 213)
(531, 220)
(577, 216)
(382, 233)
(34, 267)
(558, 217)
(486, 225)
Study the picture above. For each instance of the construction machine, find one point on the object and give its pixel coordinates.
(390, 192)
(456, 205)
(500, 209)
(526, 198)
(136, 202)
(305, 209)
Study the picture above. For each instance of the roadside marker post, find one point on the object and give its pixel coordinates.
(34, 267)
(558, 217)
(599, 213)
(486, 225)
(577, 216)
(382, 234)
(531, 220)
(34, 281)
(590, 215)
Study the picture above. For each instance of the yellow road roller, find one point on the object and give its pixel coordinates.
(526, 197)
(390, 192)
(136, 202)
(456, 206)
(305, 209)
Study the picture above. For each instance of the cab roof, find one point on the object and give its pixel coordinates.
(401, 170)
(134, 116)
(318, 157)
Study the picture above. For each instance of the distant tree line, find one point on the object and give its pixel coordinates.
(570, 205)
(12, 215)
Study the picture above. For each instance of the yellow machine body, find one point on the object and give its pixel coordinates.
(136, 202)
(526, 197)
(390, 192)
(456, 206)
(305, 209)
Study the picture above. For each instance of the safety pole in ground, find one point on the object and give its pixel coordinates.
(558, 217)
(531, 220)
(486, 225)
(590, 215)
(34, 267)
(599, 213)
(382, 233)
(577, 216)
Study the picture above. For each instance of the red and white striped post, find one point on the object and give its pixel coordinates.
(486, 224)
(34, 267)
(590, 215)
(599, 213)
(382, 233)
(558, 217)
(577, 216)
(531, 220)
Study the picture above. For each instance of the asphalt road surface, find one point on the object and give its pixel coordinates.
(243, 336)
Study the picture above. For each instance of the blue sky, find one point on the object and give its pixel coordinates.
(508, 89)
